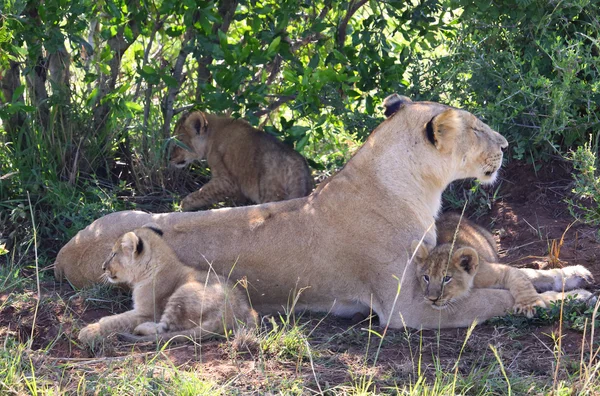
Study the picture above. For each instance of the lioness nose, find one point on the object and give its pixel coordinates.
(503, 142)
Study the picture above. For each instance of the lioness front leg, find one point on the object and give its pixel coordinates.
(572, 277)
(216, 190)
(108, 325)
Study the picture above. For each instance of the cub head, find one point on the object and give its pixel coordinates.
(445, 276)
(131, 256)
(191, 132)
(475, 149)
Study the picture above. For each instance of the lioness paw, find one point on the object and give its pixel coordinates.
(150, 328)
(575, 277)
(583, 295)
(90, 333)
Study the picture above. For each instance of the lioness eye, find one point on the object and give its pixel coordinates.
(426, 278)
(447, 279)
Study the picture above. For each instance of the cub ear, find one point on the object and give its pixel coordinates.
(420, 250)
(467, 258)
(393, 102)
(443, 129)
(197, 122)
(132, 244)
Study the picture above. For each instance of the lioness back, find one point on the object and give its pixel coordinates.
(245, 162)
(170, 299)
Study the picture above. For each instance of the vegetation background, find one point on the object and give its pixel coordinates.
(90, 91)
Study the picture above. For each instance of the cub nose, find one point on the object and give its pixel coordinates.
(433, 299)
(104, 266)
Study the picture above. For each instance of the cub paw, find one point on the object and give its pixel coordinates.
(527, 308)
(150, 328)
(188, 204)
(90, 333)
(576, 277)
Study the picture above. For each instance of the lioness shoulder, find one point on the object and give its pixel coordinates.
(245, 162)
(170, 299)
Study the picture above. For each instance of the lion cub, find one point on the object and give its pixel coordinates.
(245, 163)
(448, 271)
(170, 299)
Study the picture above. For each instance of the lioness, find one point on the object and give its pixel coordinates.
(170, 299)
(245, 163)
(346, 247)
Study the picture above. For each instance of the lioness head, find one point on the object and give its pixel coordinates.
(445, 276)
(475, 148)
(191, 131)
(131, 256)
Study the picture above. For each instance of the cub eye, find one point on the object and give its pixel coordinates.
(447, 279)
(426, 278)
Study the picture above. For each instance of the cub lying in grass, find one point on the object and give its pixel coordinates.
(170, 299)
(448, 272)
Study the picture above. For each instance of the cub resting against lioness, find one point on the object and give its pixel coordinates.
(244, 162)
(170, 299)
(466, 258)
(345, 248)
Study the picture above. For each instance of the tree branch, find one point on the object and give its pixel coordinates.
(342, 28)
(274, 105)
(226, 11)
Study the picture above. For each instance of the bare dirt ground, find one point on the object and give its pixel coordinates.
(529, 216)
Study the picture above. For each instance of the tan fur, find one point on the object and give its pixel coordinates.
(466, 257)
(245, 163)
(170, 299)
(469, 234)
(447, 275)
(346, 247)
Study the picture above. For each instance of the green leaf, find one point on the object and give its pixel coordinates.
(175, 31)
(297, 131)
(17, 94)
(314, 61)
(274, 46)
(170, 81)
(300, 145)
(134, 106)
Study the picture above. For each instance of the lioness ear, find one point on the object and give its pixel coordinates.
(443, 128)
(132, 244)
(467, 258)
(154, 227)
(420, 250)
(197, 122)
(393, 102)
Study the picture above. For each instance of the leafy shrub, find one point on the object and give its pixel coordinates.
(587, 185)
(529, 68)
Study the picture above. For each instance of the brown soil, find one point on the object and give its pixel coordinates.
(527, 218)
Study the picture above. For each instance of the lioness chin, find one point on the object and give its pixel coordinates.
(346, 247)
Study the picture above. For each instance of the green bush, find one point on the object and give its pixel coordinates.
(587, 185)
(530, 68)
